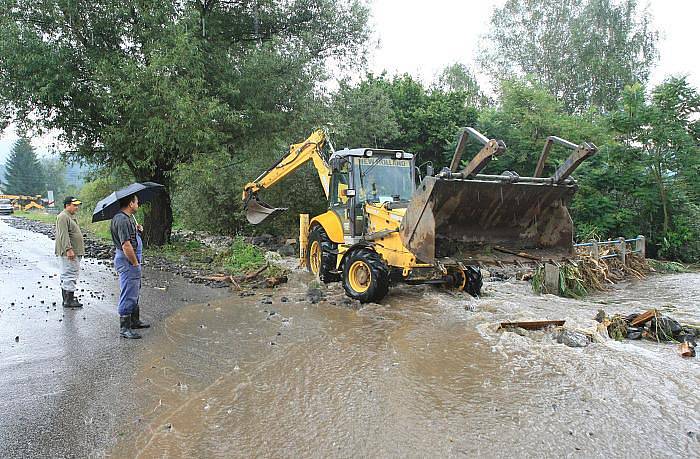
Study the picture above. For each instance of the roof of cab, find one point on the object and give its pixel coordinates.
(360, 152)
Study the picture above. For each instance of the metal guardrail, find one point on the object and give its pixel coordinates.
(638, 246)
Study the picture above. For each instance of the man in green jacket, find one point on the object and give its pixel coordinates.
(70, 248)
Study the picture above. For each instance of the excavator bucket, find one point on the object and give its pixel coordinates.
(257, 210)
(486, 219)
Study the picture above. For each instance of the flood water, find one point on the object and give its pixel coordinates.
(427, 373)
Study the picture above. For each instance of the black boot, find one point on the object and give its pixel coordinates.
(69, 300)
(74, 300)
(125, 330)
(136, 322)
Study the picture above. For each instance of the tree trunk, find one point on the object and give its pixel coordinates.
(159, 220)
(663, 197)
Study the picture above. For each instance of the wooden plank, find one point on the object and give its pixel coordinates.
(644, 318)
(533, 325)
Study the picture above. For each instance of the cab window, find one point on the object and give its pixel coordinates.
(339, 184)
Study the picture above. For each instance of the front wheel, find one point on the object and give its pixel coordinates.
(365, 276)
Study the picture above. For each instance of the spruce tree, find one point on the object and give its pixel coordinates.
(23, 172)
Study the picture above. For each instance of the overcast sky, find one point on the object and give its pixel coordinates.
(422, 37)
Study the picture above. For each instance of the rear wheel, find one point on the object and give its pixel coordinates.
(321, 256)
(365, 276)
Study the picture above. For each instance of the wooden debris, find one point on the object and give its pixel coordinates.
(519, 254)
(255, 274)
(686, 349)
(218, 278)
(532, 325)
(644, 317)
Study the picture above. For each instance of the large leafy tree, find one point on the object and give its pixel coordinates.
(458, 77)
(55, 172)
(583, 51)
(23, 172)
(659, 154)
(400, 112)
(149, 86)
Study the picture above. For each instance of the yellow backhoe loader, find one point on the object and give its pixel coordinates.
(382, 227)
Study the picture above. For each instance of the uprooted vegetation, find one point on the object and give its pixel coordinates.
(578, 278)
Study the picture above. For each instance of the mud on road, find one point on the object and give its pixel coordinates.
(427, 373)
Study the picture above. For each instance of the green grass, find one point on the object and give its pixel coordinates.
(191, 252)
(241, 257)
(667, 266)
(238, 259)
(37, 215)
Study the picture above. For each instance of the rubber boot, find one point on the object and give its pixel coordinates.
(69, 300)
(74, 300)
(136, 321)
(125, 330)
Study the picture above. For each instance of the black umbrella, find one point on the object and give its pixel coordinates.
(109, 206)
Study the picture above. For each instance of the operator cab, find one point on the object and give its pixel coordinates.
(369, 175)
(373, 175)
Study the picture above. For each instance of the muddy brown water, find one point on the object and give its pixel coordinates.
(427, 373)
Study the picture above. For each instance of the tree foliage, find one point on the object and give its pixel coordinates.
(408, 116)
(658, 150)
(23, 172)
(584, 52)
(153, 85)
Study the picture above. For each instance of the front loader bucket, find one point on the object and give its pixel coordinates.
(486, 219)
(257, 210)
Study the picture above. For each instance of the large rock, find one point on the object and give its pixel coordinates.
(572, 338)
(287, 250)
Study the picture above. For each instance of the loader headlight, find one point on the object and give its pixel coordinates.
(368, 153)
(399, 155)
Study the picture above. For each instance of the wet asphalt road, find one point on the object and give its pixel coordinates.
(66, 378)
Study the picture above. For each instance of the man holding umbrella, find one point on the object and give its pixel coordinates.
(121, 206)
(127, 261)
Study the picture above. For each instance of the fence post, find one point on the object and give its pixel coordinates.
(595, 250)
(623, 250)
(303, 238)
(641, 246)
(551, 279)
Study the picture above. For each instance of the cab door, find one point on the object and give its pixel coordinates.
(339, 202)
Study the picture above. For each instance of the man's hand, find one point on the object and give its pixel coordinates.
(130, 254)
(139, 228)
(70, 254)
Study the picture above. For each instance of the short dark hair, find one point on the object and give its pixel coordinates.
(125, 201)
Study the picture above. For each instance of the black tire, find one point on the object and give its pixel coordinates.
(375, 276)
(328, 256)
(474, 281)
(468, 280)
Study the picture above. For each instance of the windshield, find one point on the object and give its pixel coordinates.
(382, 179)
(4, 201)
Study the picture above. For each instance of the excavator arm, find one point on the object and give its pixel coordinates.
(299, 154)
